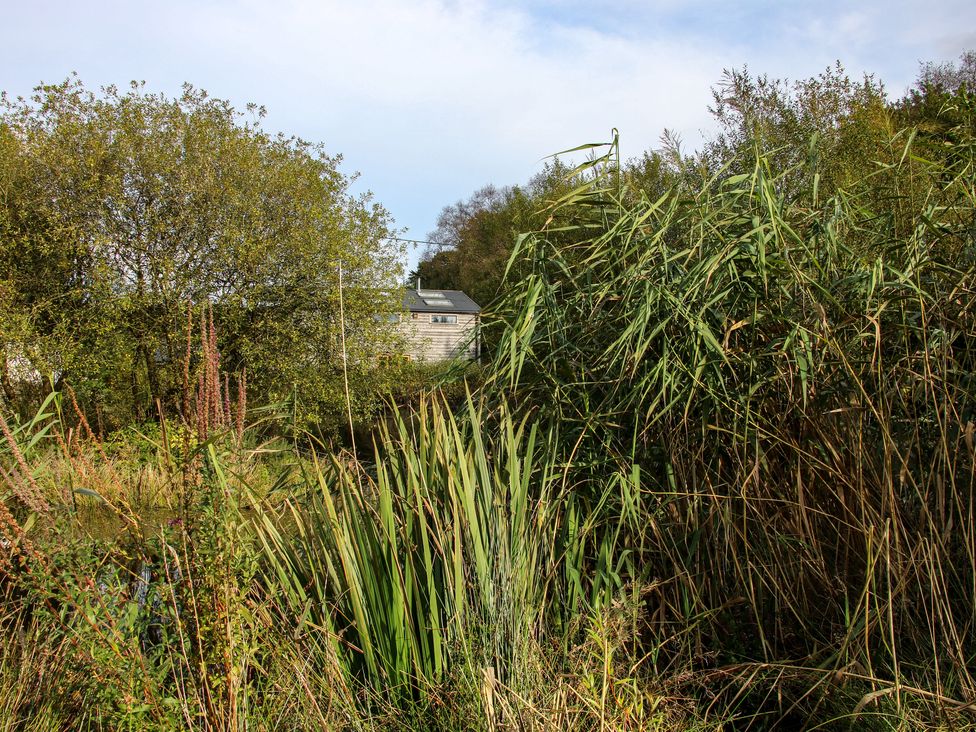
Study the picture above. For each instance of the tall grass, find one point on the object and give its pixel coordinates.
(720, 474)
(796, 377)
(447, 557)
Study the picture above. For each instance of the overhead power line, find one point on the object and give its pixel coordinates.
(417, 241)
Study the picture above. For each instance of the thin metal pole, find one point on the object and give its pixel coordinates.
(345, 358)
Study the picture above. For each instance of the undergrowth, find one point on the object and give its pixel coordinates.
(718, 475)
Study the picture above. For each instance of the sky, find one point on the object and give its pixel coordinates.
(429, 100)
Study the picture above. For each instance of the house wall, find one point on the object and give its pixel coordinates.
(428, 341)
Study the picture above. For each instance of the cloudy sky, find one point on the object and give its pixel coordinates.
(431, 99)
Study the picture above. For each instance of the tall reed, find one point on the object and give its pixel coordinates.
(794, 380)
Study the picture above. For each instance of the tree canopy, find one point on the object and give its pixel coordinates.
(477, 234)
(120, 208)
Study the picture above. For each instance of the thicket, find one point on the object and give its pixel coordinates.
(120, 208)
(830, 123)
(720, 474)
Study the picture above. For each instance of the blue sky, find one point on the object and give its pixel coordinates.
(430, 99)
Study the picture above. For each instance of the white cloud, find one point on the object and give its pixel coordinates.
(431, 99)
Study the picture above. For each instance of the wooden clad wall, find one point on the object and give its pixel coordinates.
(427, 341)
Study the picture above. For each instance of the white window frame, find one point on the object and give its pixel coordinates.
(443, 319)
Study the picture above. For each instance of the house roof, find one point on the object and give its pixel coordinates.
(439, 301)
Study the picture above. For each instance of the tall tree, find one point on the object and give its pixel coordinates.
(478, 234)
(828, 126)
(940, 100)
(119, 208)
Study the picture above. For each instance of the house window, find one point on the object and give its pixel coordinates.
(452, 319)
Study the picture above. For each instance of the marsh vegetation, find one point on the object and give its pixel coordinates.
(718, 474)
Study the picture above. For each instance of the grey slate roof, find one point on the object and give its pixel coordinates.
(413, 300)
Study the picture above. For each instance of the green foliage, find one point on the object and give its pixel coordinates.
(794, 373)
(412, 597)
(415, 565)
(824, 132)
(827, 126)
(118, 209)
(478, 234)
(941, 107)
(720, 473)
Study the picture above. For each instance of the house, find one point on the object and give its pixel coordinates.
(440, 324)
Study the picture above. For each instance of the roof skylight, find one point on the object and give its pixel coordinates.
(438, 301)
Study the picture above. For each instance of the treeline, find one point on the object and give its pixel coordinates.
(125, 216)
(828, 127)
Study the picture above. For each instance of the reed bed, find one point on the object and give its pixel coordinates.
(719, 475)
(793, 376)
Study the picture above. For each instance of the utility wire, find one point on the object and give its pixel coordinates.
(417, 241)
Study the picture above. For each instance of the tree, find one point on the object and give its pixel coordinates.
(117, 209)
(940, 101)
(826, 125)
(950, 77)
(478, 234)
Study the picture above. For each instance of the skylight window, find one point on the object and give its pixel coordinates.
(438, 302)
